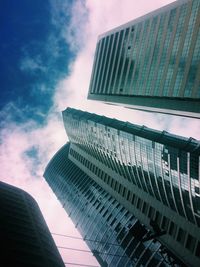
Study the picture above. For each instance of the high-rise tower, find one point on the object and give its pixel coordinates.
(154, 175)
(115, 236)
(152, 63)
(25, 238)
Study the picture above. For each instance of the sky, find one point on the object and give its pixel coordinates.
(46, 56)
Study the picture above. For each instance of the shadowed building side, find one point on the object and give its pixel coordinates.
(25, 237)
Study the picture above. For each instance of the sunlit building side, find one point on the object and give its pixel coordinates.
(152, 63)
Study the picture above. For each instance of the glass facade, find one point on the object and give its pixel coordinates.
(114, 235)
(151, 170)
(156, 56)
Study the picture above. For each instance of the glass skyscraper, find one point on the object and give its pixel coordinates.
(152, 63)
(152, 174)
(115, 236)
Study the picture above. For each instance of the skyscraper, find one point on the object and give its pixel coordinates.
(24, 235)
(115, 236)
(153, 174)
(152, 63)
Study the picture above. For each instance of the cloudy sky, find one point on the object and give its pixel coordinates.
(46, 54)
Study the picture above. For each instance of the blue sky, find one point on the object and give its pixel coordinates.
(34, 55)
(46, 55)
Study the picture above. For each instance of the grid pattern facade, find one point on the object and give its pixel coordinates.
(113, 234)
(25, 237)
(147, 170)
(156, 56)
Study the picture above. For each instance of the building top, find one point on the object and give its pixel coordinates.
(18, 191)
(163, 137)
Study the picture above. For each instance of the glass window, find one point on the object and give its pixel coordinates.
(190, 243)
(151, 212)
(172, 229)
(198, 250)
(181, 236)
(145, 207)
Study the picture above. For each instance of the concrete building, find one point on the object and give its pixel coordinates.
(152, 174)
(25, 237)
(152, 63)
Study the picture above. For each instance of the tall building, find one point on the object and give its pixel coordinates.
(152, 63)
(24, 235)
(115, 236)
(152, 174)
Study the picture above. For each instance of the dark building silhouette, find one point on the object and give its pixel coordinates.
(152, 62)
(24, 235)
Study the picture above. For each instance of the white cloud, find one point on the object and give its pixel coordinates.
(74, 33)
(29, 64)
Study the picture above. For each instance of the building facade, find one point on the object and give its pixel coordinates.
(115, 236)
(25, 237)
(153, 174)
(152, 63)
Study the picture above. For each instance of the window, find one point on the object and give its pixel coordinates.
(198, 250)
(145, 207)
(109, 217)
(119, 188)
(112, 182)
(172, 229)
(181, 236)
(113, 221)
(133, 198)
(151, 212)
(128, 195)
(105, 213)
(158, 217)
(106, 178)
(115, 185)
(190, 243)
(139, 203)
(124, 192)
